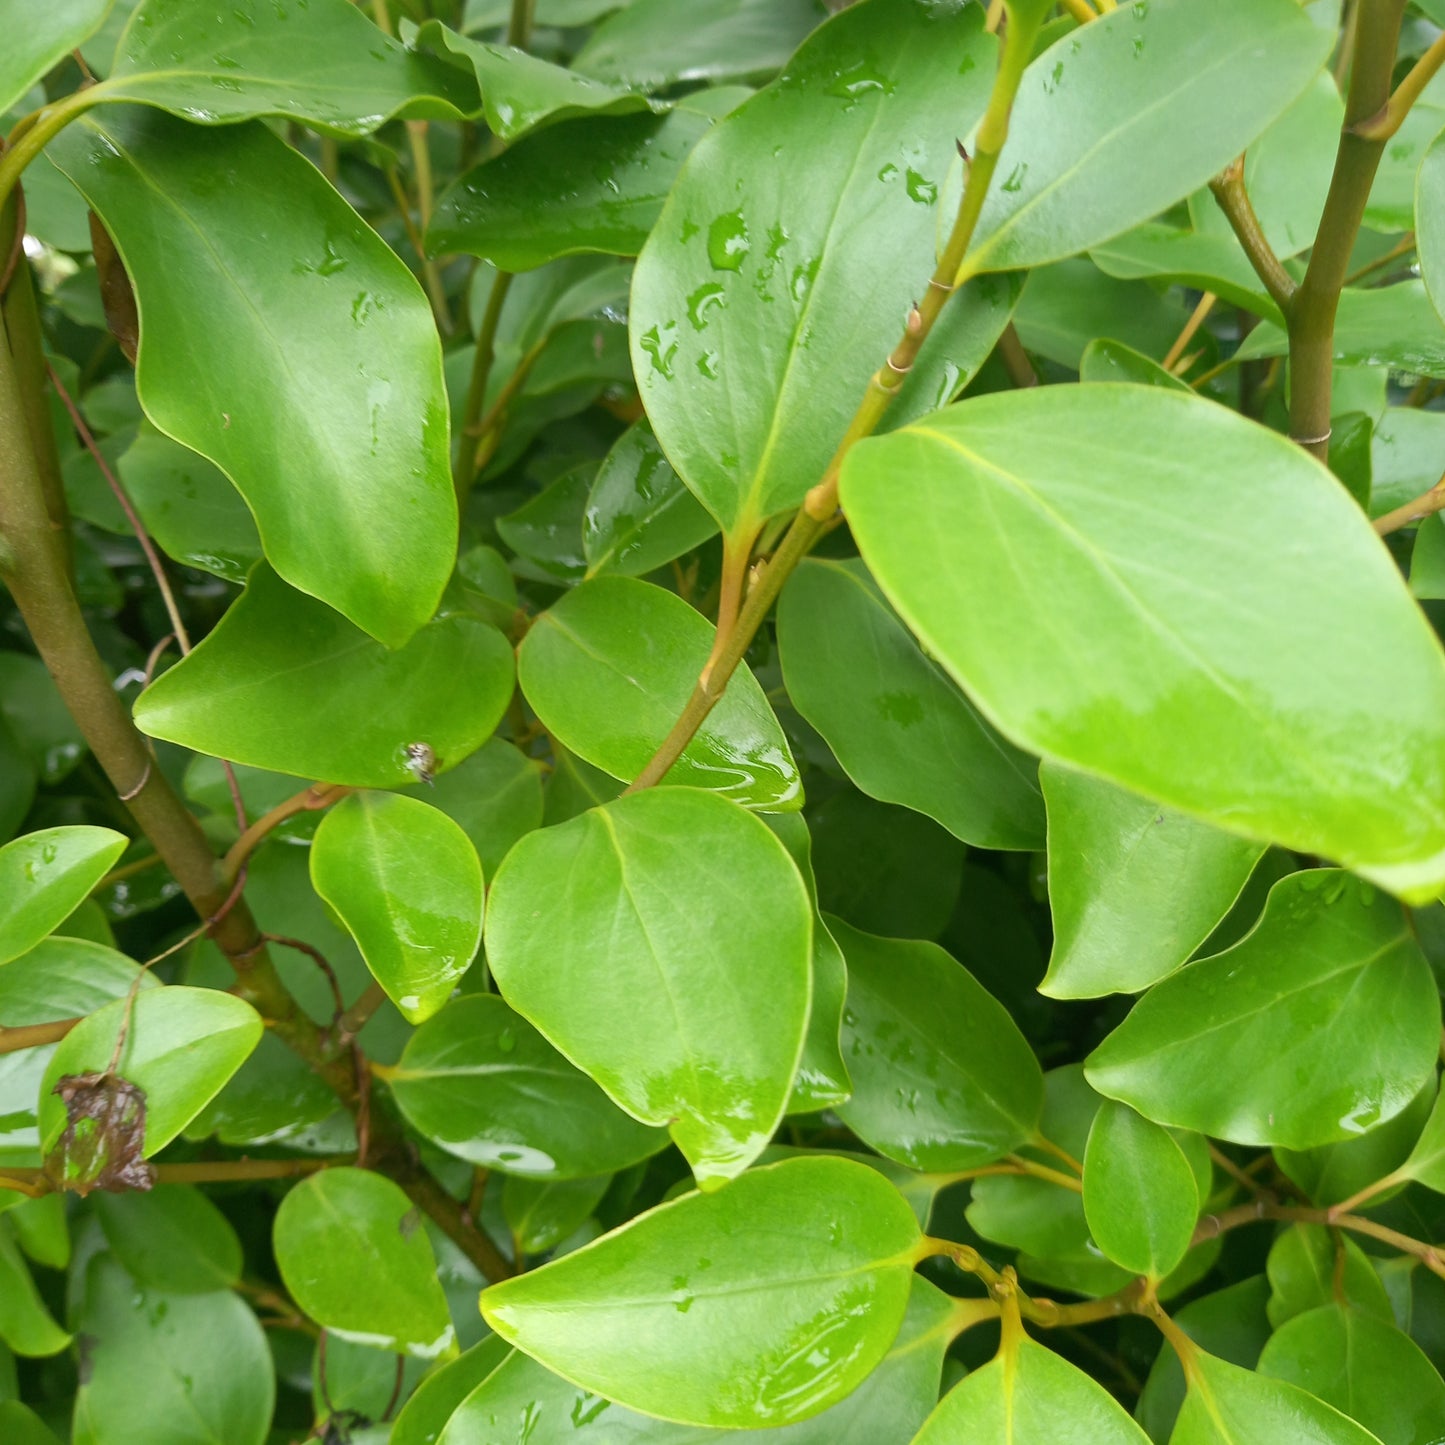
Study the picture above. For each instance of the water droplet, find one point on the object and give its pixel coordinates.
(506, 1041)
(921, 189)
(707, 297)
(728, 243)
(888, 172)
(1055, 76)
(707, 365)
(1015, 181)
(1138, 46)
(660, 348)
(860, 80)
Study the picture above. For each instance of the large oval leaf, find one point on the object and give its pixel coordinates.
(786, 257)
(39, 38)
(407, 884)
(44, 876)
(759, 1304)
(315, 385)
(171, 1238)
(1104, 133)
(609, 668)
(1321, 1023)
(287, 684)
(1101, 567)
(486, 1086)
(663, 944)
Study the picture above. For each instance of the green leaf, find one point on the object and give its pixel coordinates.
(682, 989)
(1177, 254)
(423, 1419)
(181, 1046)
(1105, 360)
(1100, 568)
(42, 1231)
(26, 1325)
(1310, 1266)
(267, 686)
(901, 729)
(1140, 1195)
(547, 529)
(1230, 1406)
(31, 705)
(496, 797)
(407, 883)
(639, 514)
(1028, 1395)
(1364, 1367)
(1134, 888)
(172, 1239)
(316, 385)
(170, 1369)
(610, 666)
(653, 44)
(1394, 194)
(20, 1425)
(44, 876)
(541, 1213)
(343, 1226)
(1426, 1162)
(753, 329)
(1321, 1023)
(1104, 132)
(486, 1086)
(39, 39)
(759, 1304)
(942, 1078)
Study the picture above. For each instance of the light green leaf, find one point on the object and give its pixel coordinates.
(38, 38)
(1426, 1163)
(484, 1085)
(609, 668)
(1105, 360)
(26, 1325)
(268, 685)
(1394, 193)
(663, 944)
(20, 1425)
(1321, 1023)
(345, 1226)
(942, 1078)
(1104, 132)
(901, 729)
(759, 1304)
(407, 883)
(181, 1046)
(172, 1239)
(1134, 888)
(1178, 254)
(1140, 1195)
(423, 1418)
(753, 328)
(316, 386)
(45, 875)
(1100, 567)
(1310, 1266)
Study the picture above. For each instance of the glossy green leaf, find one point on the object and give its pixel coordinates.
(407, 883)
(1140, 1196)
(759, 1304)
(44, 876)
(1028, 1395)
(181, 1046)
(39, 39)
(423, 1419)
(896, 723)
(639, 514)
(42, 1231)
(1426, 1162)
(1310, 1266)
(170, 1369)
(609, 668)
(1327, 1009)
(1230, 1406)
(343, 1226)
(171, 1239)
(496, 797)
(683, 990)
(942, 1078)
(1134, 888)
(1395, 192)
(1100, 568)
(1104, 133)
(547, 529)
(20, 1425)
(1430, 223)
(26, 1325)
(753, 329)
(347, 474)
(486, 1086)
(1105, 360)
(541, 1213)
(269, 684)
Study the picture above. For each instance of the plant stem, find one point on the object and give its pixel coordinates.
(1383, 126)
(1081, 10)
(464, 465)
(33, 1036)
(1059, 1153)
(309, 799)
(519, 27)
(1188, 332)
(1420, 507)
(1229, 191)
(1049, 1176)
(31, 134)
(1015, 359)
(359, 1014)
(1348, 1206)
(1002, 1284)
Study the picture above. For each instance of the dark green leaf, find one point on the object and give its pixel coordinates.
(1310, 1266)
(424, 1418)
(496, 796)
(541, 1213)
(44, 876)
(172, 1239)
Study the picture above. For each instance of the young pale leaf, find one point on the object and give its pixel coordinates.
(1104, 133)
(889, 1404)
(1321, 1023)
(788, 253)
(942, 1078)
(343, 1227)
(1430, 223)
(171, 1238)
(287, 684)
(757, 1305)
(901, 729)
(1140, 1195)
(1365, 1367)
(663, 944)
(1227, 1405)
(44, 876)
(1101, 568)
(323, 62)
(484, 1085)
(26, 1325)
(1134, 888)
(407, 884)
(609, 668)
(315, 385)
(181, 1046)
(38, 38)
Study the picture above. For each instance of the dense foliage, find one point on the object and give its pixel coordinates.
(762, 684)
